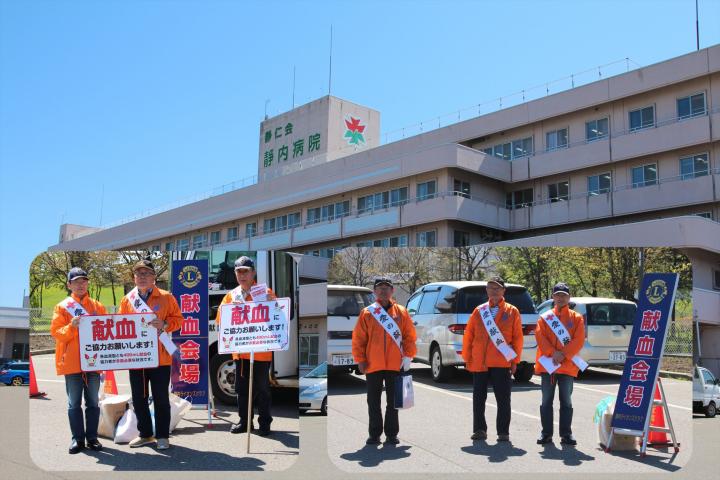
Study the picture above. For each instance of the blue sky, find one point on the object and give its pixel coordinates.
(155, 101)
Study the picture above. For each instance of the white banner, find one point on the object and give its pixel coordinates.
(495, 334)
(563, 335)
(387, 322)
(117, 342)
(254, 326)
(73, 307)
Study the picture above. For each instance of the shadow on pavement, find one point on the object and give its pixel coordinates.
(570, 456)
(498, 452)
(650, 459)
(372, 456)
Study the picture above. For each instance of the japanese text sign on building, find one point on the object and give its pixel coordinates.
(190, 378)
(254, 326)
(635, 395)
(117, 342)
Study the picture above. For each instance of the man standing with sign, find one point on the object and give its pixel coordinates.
(64, 328)
(560, 336)
(146, 297)
(492, 346)
(245, 275)
(383, 342)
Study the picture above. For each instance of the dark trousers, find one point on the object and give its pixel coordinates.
(565, 387)
(501, 382)
(78, 385)
(159, 380)
(374, 382)
(261, 391)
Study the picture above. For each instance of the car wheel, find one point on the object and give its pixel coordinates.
(710, 410)
(222, 378)
(524, 372)
(323, 407)
(440, 373)
(17, 381)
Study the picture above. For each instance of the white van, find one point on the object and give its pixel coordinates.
(608, 327)
(440, 312)
(344, 303)
(706, 392)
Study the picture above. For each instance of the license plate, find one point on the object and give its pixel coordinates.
(617, 356)
(342, 360)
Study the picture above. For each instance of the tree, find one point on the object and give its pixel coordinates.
(353, 266)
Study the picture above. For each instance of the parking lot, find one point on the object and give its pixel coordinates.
(194, 445)
(435, 434)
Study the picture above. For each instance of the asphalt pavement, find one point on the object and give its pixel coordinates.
(435, 433)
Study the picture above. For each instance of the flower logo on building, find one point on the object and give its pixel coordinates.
(354, 132)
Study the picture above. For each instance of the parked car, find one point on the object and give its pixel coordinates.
(313, 390)
(15, 373)
(608, 327)
(344, 304)
(440, 312)
(706, 392)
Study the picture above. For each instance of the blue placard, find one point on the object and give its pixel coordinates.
(189, 375)
(634, 399)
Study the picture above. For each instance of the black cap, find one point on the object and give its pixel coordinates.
(561, 287)
(244, 262)
(497, 280)
(382, 280)
(76, 272)
(144, 264)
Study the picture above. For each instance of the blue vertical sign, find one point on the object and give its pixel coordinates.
(189, 375)
(642, 364)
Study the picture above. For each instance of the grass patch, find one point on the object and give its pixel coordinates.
(54, 295)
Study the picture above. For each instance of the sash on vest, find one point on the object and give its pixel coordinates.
(237, 295)
(552, 321)
(139, 305)
(75, 309)
(494, 332)
(387, 322)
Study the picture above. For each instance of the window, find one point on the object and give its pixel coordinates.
(309, 349)
(558, 191)
(556, 139)
(250, 230)
(716, 279)
(399, 241)
(328, 212)
(398, 196)
(694, 166)
(414, 303)
(598, 184)
(425, 239)
(155, 248)
(425, 190)
(365, 243)
(183, 244)
(707, 215)
(381, 242)
(642, 118)
(268, 225)
(198, 240)
(461, 188)
(377, 201)
(644, 176)
(515, 149)
(461, 239)
(596, 129)
(519, 199)
(691, 106)
(169, 246)
(313, 215)
(214, 238)
(522, 147)
(427, 304)
(232, 234)
(293, 220)
(503, 151)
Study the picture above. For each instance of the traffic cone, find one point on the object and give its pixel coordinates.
(110, 385)
(657, 419)
(34, 392)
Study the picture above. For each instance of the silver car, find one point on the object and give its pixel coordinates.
(608, 327)
(313, 390)
(440, 312)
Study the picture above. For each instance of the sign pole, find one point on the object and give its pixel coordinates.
(250, 405)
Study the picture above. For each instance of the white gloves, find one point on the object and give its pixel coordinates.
(406, 361)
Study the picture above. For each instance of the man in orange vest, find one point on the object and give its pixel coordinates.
(492, 347)
(147, 297)
(383, 342)
(560, 335)
(245, 275)
(64, 328)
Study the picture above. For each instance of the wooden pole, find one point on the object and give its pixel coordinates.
(249, 402)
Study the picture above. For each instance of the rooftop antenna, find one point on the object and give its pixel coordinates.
(267, 101)
(697, 27)
(330, 72)
(293, 96)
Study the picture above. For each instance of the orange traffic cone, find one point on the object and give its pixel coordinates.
(110, 385)
(34, 392)
(657, 419)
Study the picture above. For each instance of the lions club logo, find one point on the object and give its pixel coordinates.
(656, 291)
(190, 276)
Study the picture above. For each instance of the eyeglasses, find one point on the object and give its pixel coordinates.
(145, 273)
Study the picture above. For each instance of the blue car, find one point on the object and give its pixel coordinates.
(15, 373)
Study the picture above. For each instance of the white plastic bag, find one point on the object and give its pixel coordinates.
(127, 427)
(178, 408)
(404, 394)
(112, 408)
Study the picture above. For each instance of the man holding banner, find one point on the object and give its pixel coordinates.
(560, 336)
(492, 346)
(383, 342)
(146, 297)
(64, 328)
(248, 291)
